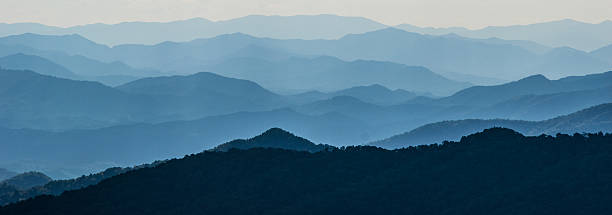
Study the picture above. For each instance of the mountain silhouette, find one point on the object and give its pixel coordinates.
(329, 74)
(35, 63)
(590, 120)
(460, 55)
(274, 138)
(497, 163)
(282, 27)
(27, 180)
(566, 32)
(532, 85)
(76, 151)
(375, 94)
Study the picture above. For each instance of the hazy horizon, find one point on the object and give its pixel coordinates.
(437, 14)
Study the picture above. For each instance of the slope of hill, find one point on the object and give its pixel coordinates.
(27, 180)
(274, 138)
(35, 63)
(567, 32)
(593, 119)
(479, 173)
(6, 174)
(282, 27)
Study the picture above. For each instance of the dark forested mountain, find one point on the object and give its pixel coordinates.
(567, 32)
(594, 119)
(57, 187)
(330, 74)
(479, 173)
(35, 63)
(282, 27)
(274, 138)
(27, 180)
(5, 174)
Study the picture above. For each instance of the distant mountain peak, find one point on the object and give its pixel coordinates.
(273, 138)
(534, 78)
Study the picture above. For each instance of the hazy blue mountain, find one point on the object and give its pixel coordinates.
(281, 27)
(77, 151)
(483, 169)
(31, 100)
(441, 54)
(27, 180)
(5, 174)
(70, 44)
(532, 85)
(330, 74)
(593, 119)
(112, 74)
(375, 94)
(540, 107)
(35, 63)
(567, 32)
(604, 53)
(274, 138)
(204, 94)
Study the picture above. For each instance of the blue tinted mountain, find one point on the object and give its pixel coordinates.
(128, 145)
(593, 119)
(375, 94)
(27, 180)
(6, 174)
(532, 85)
(330, 74)
(281, 27)
(35, 63)
(441, 54)
(567, 32)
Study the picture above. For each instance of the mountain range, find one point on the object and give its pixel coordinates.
(560, 33)
(441, 54)
(477, 172)
(281, 27)
(590, 120)
(566, 32)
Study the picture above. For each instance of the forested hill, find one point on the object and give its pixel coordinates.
(497, 171)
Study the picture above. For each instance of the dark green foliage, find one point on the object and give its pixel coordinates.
(274, 138)
(497, 171)
(10, 194)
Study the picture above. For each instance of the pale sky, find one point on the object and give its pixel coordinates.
(434, 13)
